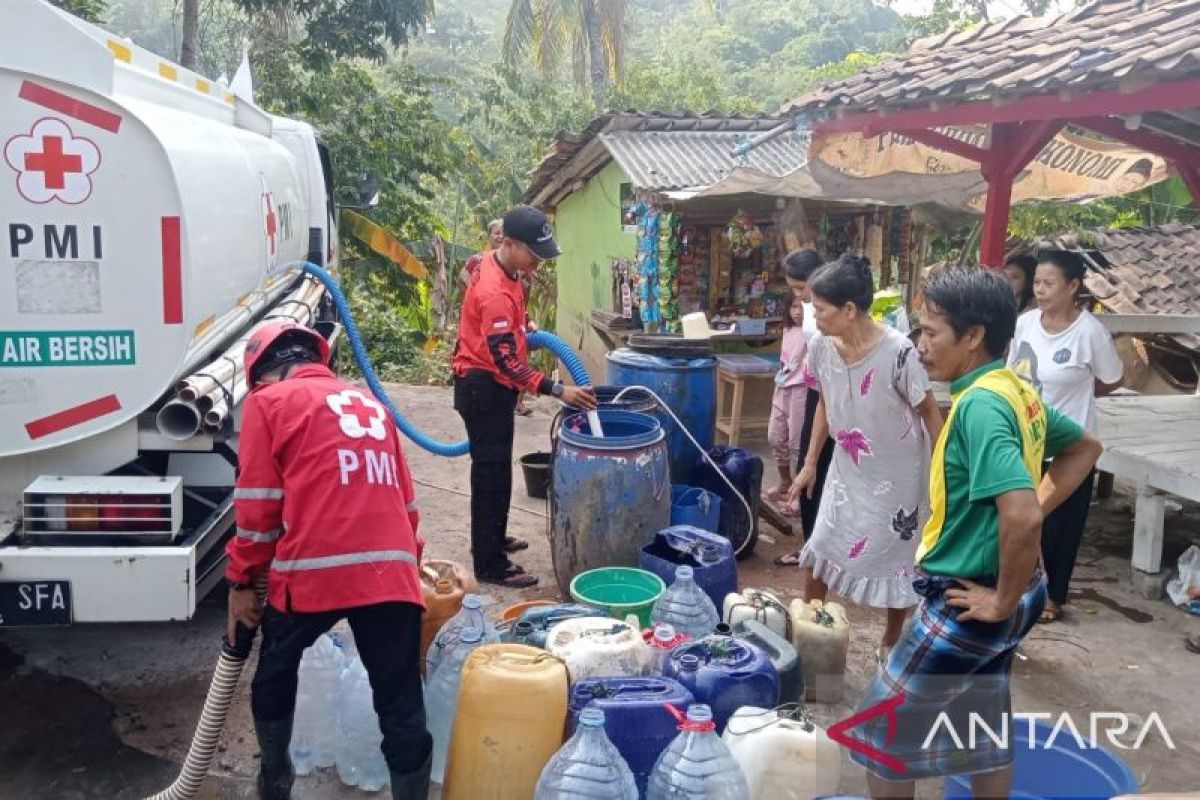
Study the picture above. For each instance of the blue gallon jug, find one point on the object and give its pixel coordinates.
(633, 716)
(725, 673)
(745, 471)
(710, 556)
(700, 508)
(782, 654)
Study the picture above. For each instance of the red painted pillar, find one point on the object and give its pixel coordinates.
(1013, 146)
(995, 220)
(999, 175)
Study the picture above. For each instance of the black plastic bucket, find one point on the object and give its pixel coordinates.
(536, 469)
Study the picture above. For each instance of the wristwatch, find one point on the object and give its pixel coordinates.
(238, 587)
(557, 389)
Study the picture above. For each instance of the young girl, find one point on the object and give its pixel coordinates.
(787, 406)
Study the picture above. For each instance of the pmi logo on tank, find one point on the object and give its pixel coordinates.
(55, 242)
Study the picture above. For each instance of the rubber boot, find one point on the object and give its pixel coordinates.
(412, 785)
(275, 773)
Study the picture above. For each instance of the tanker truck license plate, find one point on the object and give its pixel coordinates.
(35, 603)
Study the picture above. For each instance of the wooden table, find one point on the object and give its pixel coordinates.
(1154, 442)
(733, 373)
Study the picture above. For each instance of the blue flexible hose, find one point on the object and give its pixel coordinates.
(538, 339)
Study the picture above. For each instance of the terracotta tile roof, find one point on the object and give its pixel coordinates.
(1098, 46)
(661, 152)
(1138, 270)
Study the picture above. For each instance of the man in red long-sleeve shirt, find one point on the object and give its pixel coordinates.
(325, 509)
(491, 368)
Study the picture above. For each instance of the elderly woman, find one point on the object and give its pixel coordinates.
(877, 405)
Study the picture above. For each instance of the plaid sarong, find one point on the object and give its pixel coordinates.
(952, 676)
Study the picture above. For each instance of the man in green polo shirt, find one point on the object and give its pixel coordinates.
(978, 569)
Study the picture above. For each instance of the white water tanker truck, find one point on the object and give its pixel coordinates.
(146, 214)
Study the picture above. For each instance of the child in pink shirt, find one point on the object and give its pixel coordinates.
(787, 406)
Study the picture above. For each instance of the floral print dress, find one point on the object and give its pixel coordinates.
(876, 495)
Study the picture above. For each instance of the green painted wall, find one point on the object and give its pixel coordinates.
(587, 225)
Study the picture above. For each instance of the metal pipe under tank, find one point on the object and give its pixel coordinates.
(178, 420)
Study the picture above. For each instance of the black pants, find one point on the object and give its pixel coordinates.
(810, 507)
(487, 409)
(388, 637)
(1062, 531)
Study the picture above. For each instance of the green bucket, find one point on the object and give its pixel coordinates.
(619, 590)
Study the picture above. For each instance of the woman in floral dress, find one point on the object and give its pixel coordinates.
(877, 406)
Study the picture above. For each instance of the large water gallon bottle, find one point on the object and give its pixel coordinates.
(469, 616)
(441, 695)
(442, 601)
(697, 765)
(662, 640)
(587, 766)
(360, 762)
(314, 735)
(685, 607)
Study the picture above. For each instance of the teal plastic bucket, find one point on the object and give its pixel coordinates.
(620, 591)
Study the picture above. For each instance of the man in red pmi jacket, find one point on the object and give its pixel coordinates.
(325, 508)
(491, 368)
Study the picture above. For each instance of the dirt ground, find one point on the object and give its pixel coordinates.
(108, 711)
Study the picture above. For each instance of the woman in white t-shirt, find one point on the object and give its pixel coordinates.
(1069, 357)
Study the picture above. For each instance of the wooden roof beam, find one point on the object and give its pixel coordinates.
(1183, 94)
(1166, 147)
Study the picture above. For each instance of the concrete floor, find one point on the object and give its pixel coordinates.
(108, 711)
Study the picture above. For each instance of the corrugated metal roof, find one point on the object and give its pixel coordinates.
(661, 152)
(1098, 46)
(666, 160)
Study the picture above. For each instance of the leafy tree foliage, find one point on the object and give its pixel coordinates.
(91, 10)
(346, 28)
(385, 127)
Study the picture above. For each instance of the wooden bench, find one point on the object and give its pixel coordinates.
(733, 373)
(1152, 441)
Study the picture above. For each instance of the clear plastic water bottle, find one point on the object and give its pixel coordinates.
(360, 762)
(469, 616)
(685, 607)
(662, 641)
(587, 767)
(441, 696)
(314, 735)
(697, 764)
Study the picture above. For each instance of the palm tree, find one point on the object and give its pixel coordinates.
(596, 30)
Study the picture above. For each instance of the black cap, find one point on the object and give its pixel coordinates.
(527, 224)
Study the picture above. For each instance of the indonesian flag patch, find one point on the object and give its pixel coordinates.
(500, 324)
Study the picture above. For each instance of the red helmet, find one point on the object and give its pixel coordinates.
(266, 337)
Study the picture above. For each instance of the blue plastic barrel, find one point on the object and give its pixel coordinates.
(609, 495)
(700, 508)
(710, 556)
(688, 386)
(1063, 770)
(725, 673)
(634, 717)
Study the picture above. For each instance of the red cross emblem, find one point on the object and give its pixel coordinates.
(272, 222)
(52, 163)
(358, 415)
